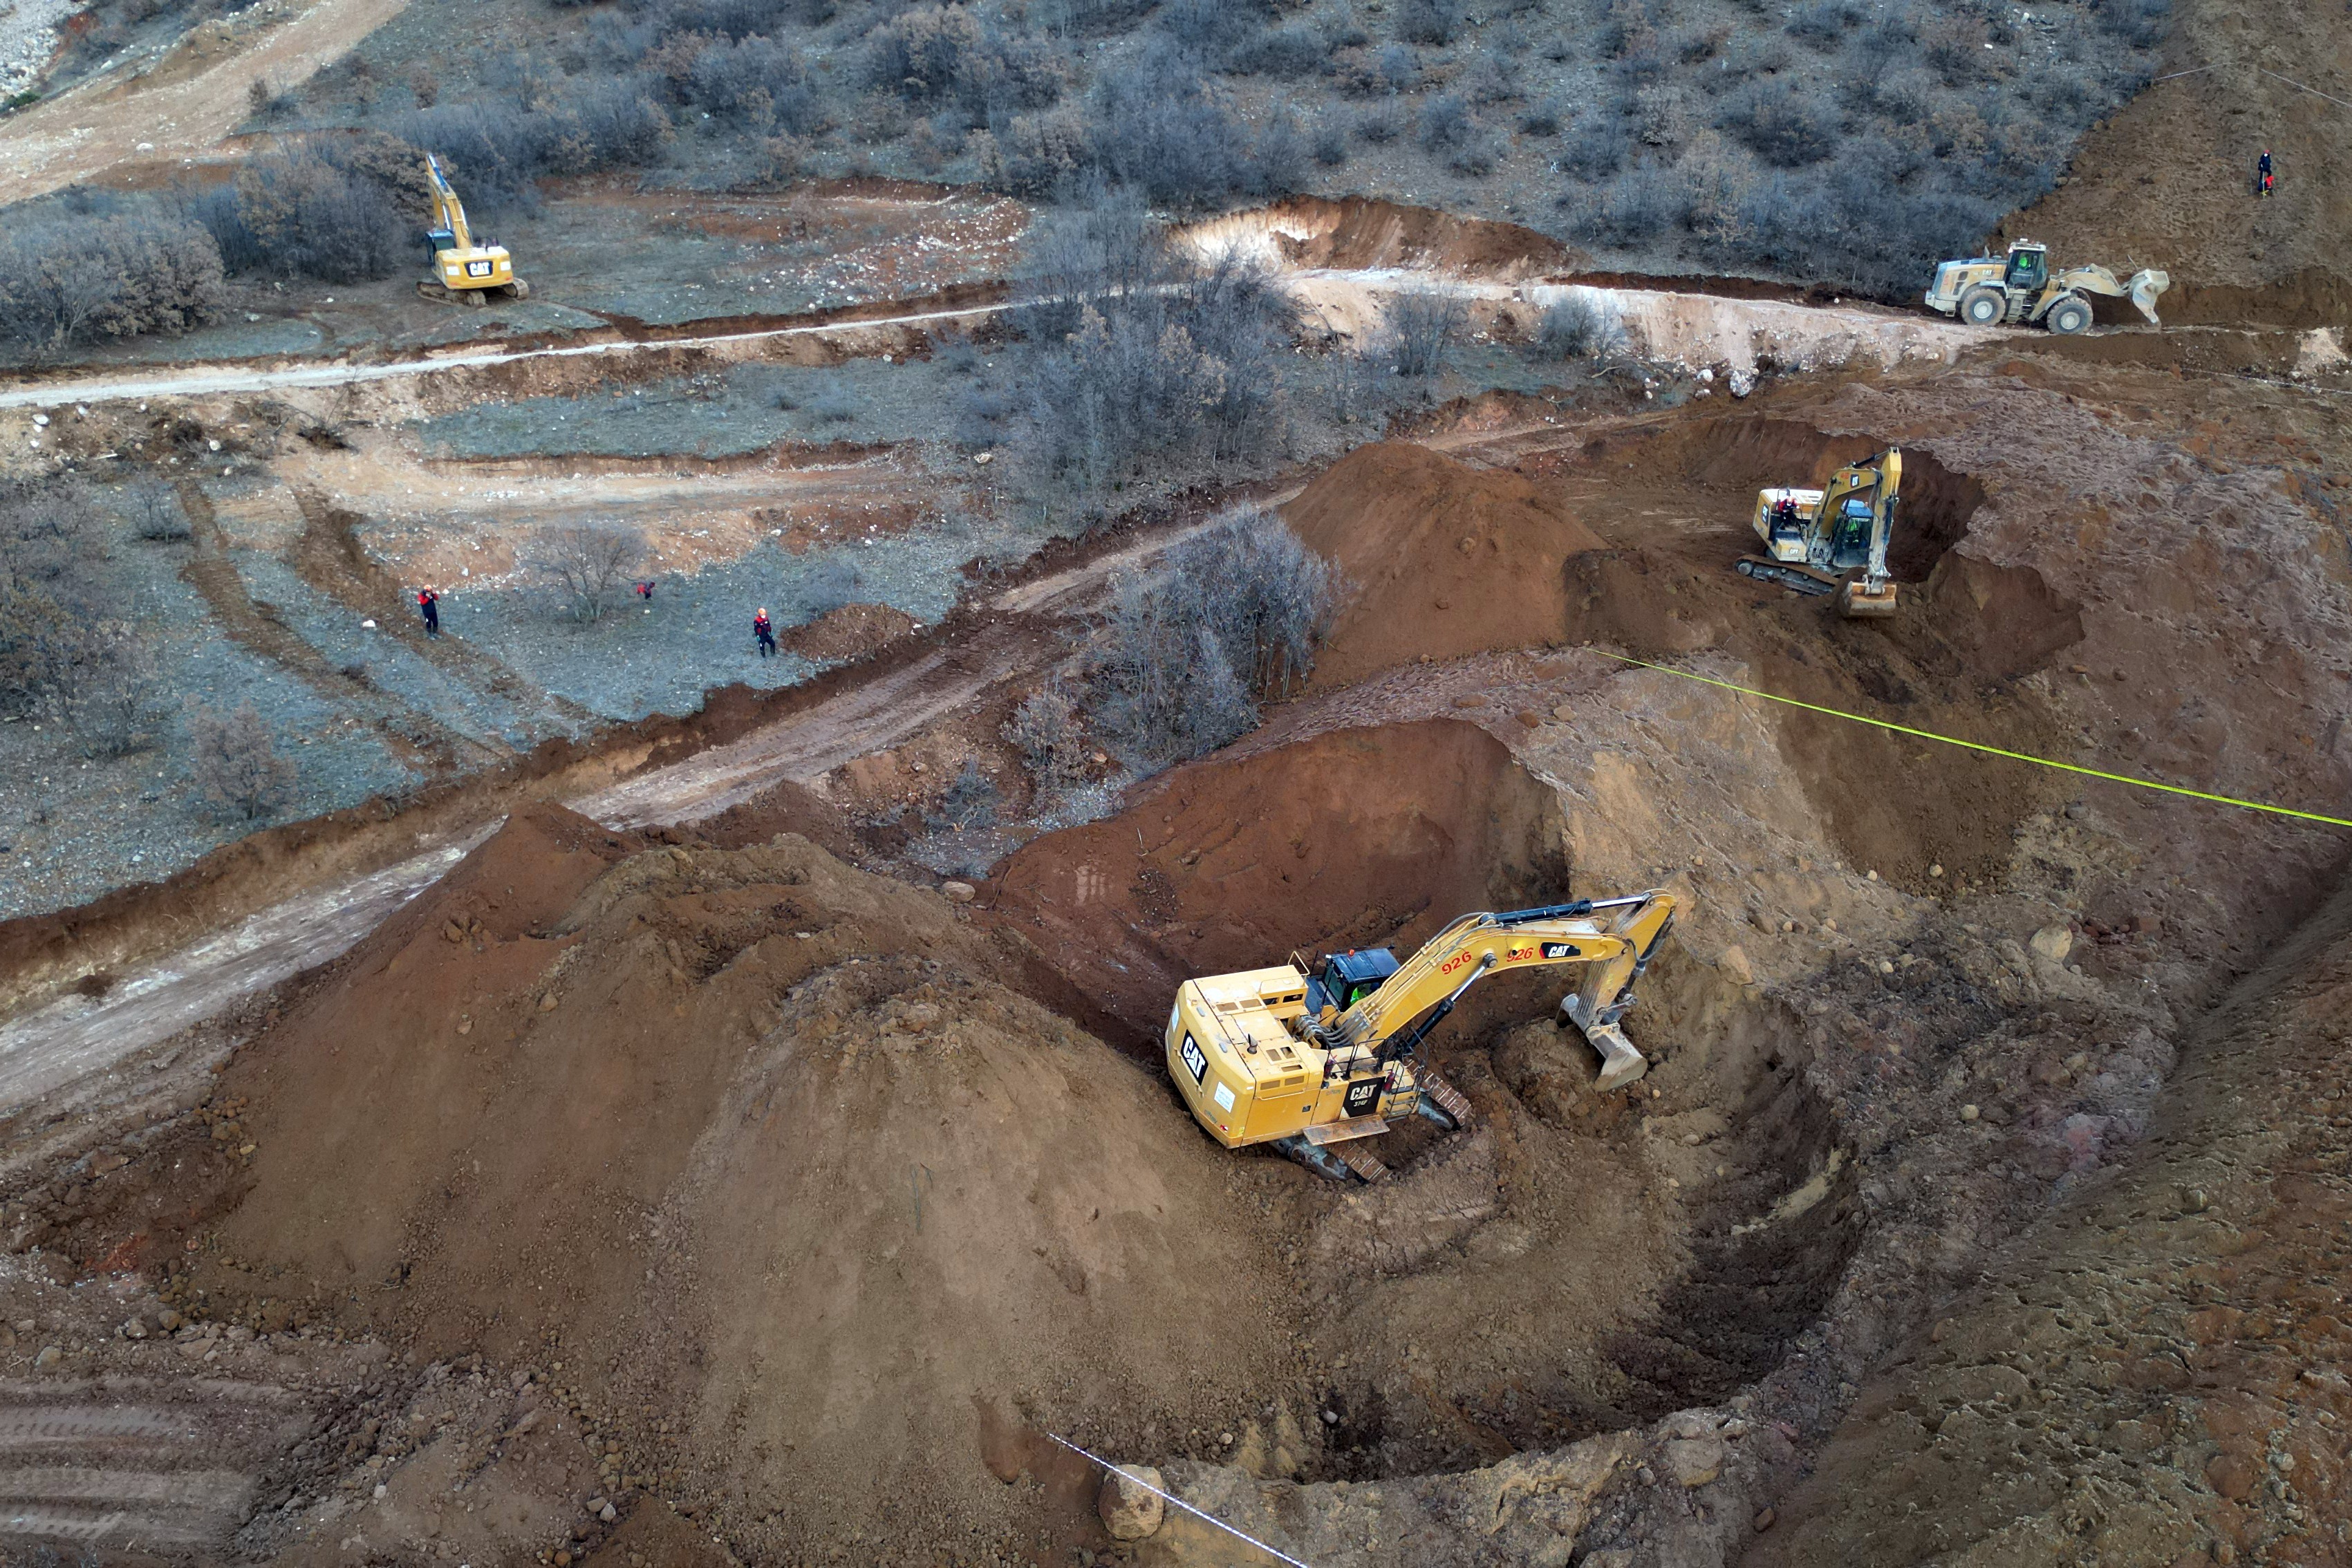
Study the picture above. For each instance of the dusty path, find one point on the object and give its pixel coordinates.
(185, 105)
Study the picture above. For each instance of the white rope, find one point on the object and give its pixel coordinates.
(1132, 1477)
(2292, 82)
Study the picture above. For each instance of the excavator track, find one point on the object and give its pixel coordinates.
(1447, 1097)
(1358, 1158)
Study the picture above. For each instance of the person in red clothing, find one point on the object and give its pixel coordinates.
(764, 632)
(428, 603)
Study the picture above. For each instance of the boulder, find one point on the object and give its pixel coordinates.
(1130, 1509)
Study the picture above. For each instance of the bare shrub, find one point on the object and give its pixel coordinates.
(1785, 124)
(1577, 326)
(969, 804)
(1825, 24)
(1429, 21)
(1181, 662)
(300, 213)
(108, 690)
(156, 515)
(1421, 323)
(1045, 730)
(76, 280)
(235, 765)
(585, 563)
(1330, 144)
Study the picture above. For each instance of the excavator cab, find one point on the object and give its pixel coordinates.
(1345, 979)
(1850, 534)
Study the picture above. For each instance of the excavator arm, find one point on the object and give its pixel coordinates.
(449, 212)
(1613, 939)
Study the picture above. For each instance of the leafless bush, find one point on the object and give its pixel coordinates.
(1576, 326)
(1045, 730)
(1186, 654)
(76, 280)
(108, 690)
(155, 513)
(235, 765)
(1421, 323)
(586, 563)
(969, 804)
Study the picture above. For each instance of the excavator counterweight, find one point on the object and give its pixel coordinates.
(1314, 1056)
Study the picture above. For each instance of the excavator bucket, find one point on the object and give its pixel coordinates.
(2146, 286)
(1858, 603)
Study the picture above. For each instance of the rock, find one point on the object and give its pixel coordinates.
(1736, 967)
(51, 1355)
(2052, 942)
(171, 1320)
(595, 1505)
(957, 892)
(1693, 1461)
(547, 1002)
(1935, 871)
(1885, 966)
(1763, 1521)
(608, 1513)
(920, 1018)
(451, 931)
(1130, 1509)
(1969, 1112)
(2230, 1476)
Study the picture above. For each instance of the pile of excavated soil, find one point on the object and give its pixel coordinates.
(1446, 560)
(1313, 232)
(747, 1147)
(853, 631)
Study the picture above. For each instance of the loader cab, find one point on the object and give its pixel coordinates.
(1345, 978)
(2029, 268)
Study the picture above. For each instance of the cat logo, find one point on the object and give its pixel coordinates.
(1196, 1062)
(1560, 950)
(478, 269)
(1363, 1095)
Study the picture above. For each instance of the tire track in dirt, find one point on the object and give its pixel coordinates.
(127, 1464)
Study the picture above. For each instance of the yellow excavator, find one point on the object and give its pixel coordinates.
(463, 272)
(1814, 538)
(1315, 1057)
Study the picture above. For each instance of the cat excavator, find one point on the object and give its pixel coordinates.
(1814, 538)
(1319, 1055)
(463, 272)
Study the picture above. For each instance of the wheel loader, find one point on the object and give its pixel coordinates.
(2021, 289)
(1814, 538)
(1317, 1056)
(463, 272)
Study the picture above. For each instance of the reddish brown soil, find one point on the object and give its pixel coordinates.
(852, 631)
(1444, 559)
(742, 1140)
(1362, 233)
(1348, 839)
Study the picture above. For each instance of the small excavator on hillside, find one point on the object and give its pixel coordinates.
(1814, 538)
(463, 272)
(1315, 1056)
(2019, 288)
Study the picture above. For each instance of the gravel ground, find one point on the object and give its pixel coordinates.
(74, 827)
(717, 414)
(392, 666)
(697, 633)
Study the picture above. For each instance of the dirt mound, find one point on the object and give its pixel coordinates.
(742, 1147)
(852, 631)
(1347, 840)
(1446, 559)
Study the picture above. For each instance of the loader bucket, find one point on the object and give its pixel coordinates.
(2145, 287)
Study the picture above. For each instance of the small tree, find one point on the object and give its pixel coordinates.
(1045, 730)
(969, 803)
(1576, 326)
(107, 692)
(586, 564)
(239, 772)
(1421, 322)
(155, 513)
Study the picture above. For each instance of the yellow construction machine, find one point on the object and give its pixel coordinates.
(1813, 538)
(463, 271)
(2019, 288)
(1315, 1056)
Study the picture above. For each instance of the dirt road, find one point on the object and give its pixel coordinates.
(180, 106)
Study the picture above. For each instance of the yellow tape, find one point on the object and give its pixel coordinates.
(1980, 746)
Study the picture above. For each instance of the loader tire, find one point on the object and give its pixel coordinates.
(2069, 315)
(1983, 306)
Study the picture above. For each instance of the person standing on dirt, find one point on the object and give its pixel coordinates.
(428, 605)
(765, 633)
(2264, 178)
(645, 592)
